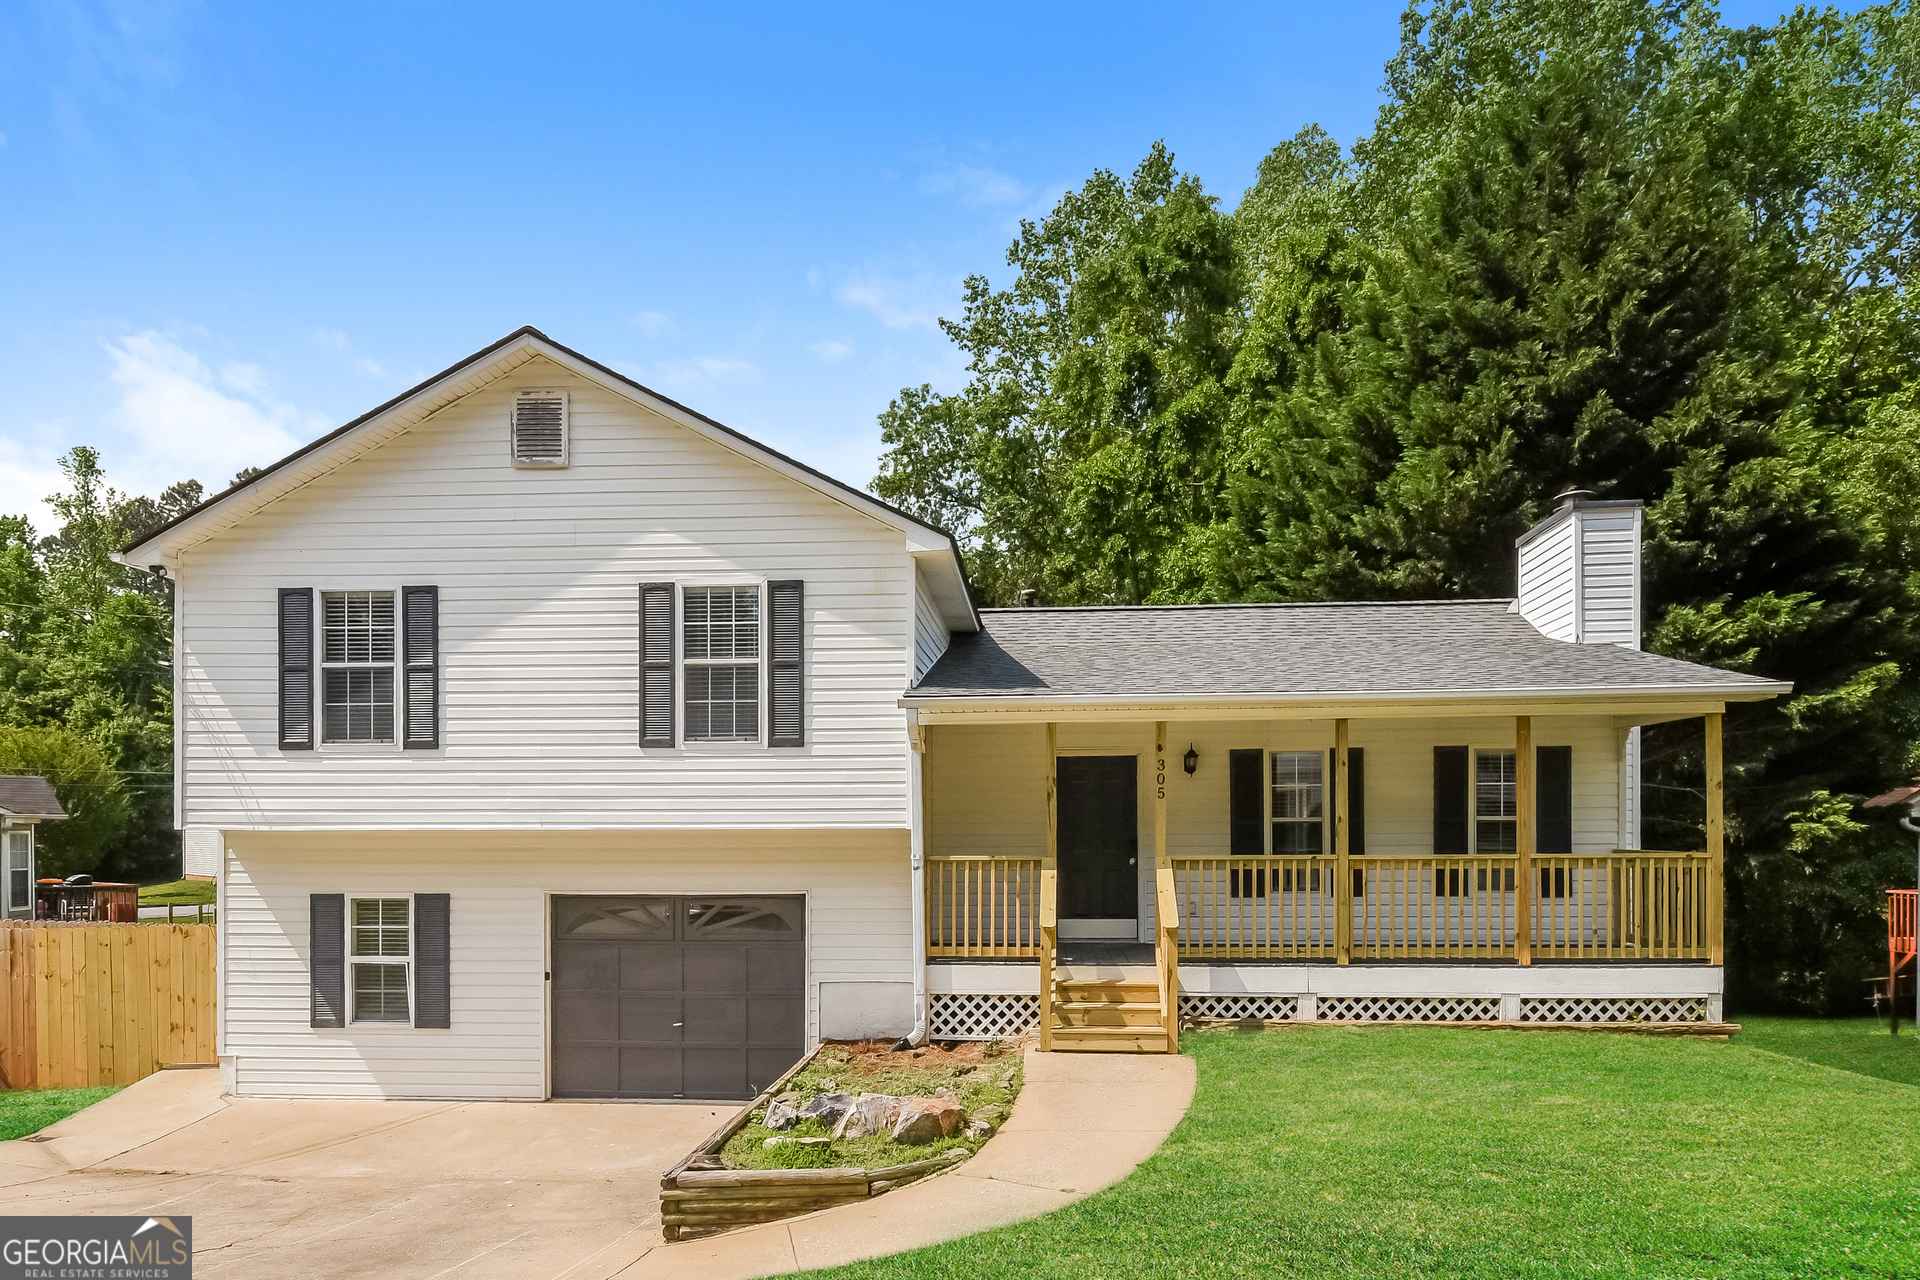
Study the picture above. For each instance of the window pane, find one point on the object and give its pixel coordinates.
(356, 704)
(1494, 838)
(380, 926)
(723, 703)
(1297, 779)
(357, 626)
(380, 993)
(1493, 784)
(1297, 838)
(721, 623)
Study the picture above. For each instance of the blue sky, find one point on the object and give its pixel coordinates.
(231, 228)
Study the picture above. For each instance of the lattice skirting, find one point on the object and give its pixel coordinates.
(970, 1017)
(1408, 1008)
(1612, 1009)
(1265, 1008)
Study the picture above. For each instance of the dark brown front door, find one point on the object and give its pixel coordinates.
(676, 997)
(1098, 837)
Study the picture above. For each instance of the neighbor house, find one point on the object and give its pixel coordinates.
(26, 801)
(550, 739)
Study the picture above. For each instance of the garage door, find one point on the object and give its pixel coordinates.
(684, 997)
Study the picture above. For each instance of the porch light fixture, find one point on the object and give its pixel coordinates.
(1192, 760)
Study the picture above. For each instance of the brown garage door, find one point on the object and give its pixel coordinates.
(685, 997)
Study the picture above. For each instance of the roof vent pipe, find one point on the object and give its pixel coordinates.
(1028, 597)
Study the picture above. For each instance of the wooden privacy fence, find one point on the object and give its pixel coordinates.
(91, 1004)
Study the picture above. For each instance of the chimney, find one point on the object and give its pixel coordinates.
(1580, 571)
(1027, 597)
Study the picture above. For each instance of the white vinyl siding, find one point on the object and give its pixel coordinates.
(1548, 588)
(858, 925)
(538, 574)
(930, 635)
(1610, 586)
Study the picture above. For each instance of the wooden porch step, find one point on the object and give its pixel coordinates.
(1108, 993)
(1073, 1013)
(1109, 1040)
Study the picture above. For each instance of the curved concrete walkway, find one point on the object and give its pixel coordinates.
(542, 1191)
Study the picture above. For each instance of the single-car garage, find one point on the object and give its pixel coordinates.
(676, 997)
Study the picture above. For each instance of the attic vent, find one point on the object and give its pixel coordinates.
(540, 429)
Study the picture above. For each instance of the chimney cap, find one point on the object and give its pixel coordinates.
(1027, 597)
(1572, 498)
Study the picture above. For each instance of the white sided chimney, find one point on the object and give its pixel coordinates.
(1580, 572)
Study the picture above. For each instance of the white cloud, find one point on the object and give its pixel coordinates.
(27, 476)
(707, 370)
(339, 343)
(899, 301)
(829, 351)
(183, 423)
(973, 184)
(653, 324)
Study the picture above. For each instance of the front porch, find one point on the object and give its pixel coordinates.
(1228, 925)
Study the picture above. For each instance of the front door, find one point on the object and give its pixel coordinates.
(1099, 845)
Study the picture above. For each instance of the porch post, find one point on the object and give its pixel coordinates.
(1524, 812)
(1165, 918)
(1342, 846)
(1716, 838)
(1049, 892)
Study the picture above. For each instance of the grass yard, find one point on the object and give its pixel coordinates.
(1425, 1152)
(30, 1110)
(182, 893)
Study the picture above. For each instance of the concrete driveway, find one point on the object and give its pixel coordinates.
(407, 1190)
(542, 1190)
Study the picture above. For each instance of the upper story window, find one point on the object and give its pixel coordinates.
(356, 666)
(1299, 802)
(720, 654)
(1495, 803)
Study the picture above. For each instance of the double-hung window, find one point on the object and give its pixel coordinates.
(356, 666)
(380, 957)
(720, 660)
(19, 868)
(1299, 802)
(1495, 803)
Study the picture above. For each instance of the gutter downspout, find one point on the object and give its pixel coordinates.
(917, 858)
(1906, 821)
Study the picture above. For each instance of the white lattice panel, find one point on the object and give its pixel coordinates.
(976, 1017)
(1409, 1008)
(1265, 1008)
(1610, 1009)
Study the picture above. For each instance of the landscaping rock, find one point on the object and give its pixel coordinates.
(804, 1142)
(781, 1116)
(829, 1108)
(924, 1120)
(870, 1113)
(979, 1129)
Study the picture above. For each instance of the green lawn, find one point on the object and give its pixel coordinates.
(1424, 1152)
(31, 1110)
(185, 893)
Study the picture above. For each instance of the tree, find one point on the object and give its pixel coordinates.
(1087, 442)
(88, 785)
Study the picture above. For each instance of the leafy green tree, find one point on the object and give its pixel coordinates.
(83, 776)
(1087, 442)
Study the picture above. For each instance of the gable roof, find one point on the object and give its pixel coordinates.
(1434, 650)
(27, 795)
(934, 548)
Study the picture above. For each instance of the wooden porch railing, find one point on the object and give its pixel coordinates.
(1628, 905)
(986, 907)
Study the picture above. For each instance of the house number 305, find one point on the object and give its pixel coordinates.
(1160, 778)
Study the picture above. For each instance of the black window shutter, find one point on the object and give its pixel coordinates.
(656, 664)
(327, 958)
(1450, 802)
(1553, 808)
(296, 669)
(420, 610)
(431, 1002)
(1246, 807)
(1357, 789)
(787, 727)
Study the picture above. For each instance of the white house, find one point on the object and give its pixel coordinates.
(550, 739)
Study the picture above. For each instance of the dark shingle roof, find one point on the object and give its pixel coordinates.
(1420, 649)
(28, 796)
